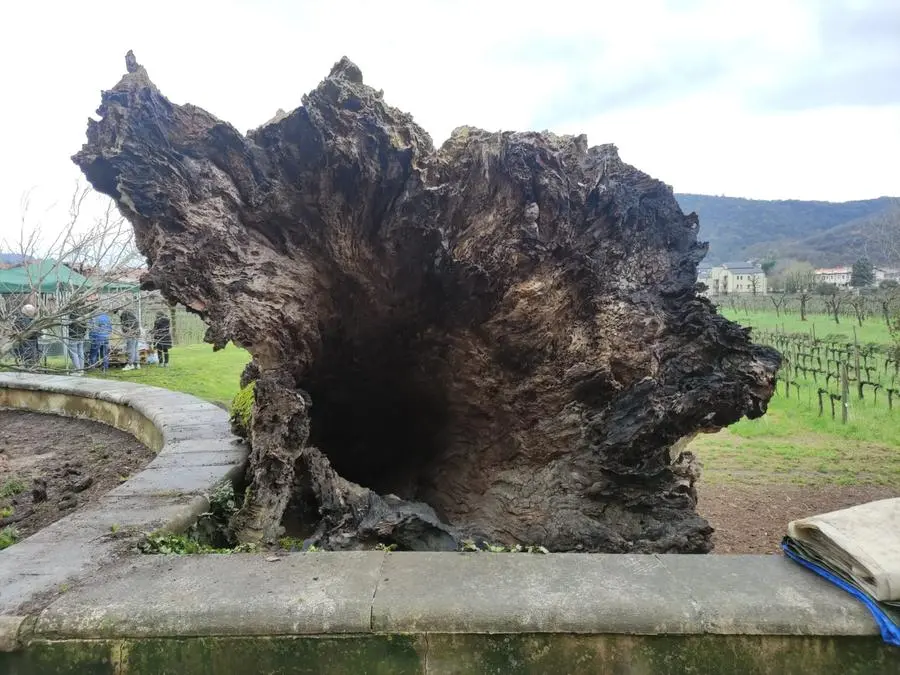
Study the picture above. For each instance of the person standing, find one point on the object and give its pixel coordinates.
(28, 349)
(162, 338)
(99, 331)
(75, 344)
(131, 330)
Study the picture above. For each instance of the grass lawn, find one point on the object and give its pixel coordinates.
(872, 330)
(195, 370)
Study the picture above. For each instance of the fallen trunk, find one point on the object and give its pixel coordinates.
(502, 335)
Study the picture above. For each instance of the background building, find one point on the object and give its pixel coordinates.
(736, 277)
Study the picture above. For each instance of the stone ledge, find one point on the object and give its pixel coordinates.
(168, 494)
(227, 594)
(632, 594)
(447, 593)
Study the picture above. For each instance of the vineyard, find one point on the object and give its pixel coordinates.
(841, 356)
(841, 310)
(835, 373)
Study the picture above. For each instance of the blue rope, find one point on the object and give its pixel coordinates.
(890, 632)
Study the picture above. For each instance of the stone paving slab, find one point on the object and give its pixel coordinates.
(231, 455)
(115, 516)
(176, 418)
(178, 479)
(202, 430)
(205, 445)
(769, 595)
(630, 594)
(520, 592)
(161, 413)
(48, 564)
(155, 595)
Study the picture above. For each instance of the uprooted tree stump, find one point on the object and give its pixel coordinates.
(499, 339)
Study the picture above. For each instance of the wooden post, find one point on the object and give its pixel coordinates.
(856, 363)
(172, 325)
(787, 377)
(845, 393)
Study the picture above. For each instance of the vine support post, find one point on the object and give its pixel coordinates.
(845, 393)
(859, 380)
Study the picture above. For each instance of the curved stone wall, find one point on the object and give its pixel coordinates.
(195, 451)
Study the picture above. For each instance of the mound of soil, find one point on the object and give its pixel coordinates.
(754, 518)
(60, 464)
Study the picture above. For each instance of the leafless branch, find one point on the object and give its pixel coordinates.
(885, 235)
(98, 249)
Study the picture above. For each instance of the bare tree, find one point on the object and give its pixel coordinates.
(801, 282)
(804, 297)
(860, 304)
(883, 242)
(754, 284)
(778, 299)
(889, 299)
(71, 273)
(833, 302)
(791, 275)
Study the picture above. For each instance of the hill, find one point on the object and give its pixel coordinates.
(12, 259)
(824, 233)
(876, 236)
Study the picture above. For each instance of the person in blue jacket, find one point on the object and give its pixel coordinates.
(100, 328)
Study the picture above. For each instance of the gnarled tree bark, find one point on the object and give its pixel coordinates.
(502, 335)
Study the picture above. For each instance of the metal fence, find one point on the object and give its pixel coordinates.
(187, 328)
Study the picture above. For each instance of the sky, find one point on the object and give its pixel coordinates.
(772, 99)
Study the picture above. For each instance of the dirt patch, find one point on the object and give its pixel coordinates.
(52, 465)
(754, 518)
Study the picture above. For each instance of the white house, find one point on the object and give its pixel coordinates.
(737, 277)
(886, 274)
(839, 276)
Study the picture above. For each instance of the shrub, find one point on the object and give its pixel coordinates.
(163, 543)
(242, 410)
(8, 536)
(11, 487)
(211, 528)
(210, 534)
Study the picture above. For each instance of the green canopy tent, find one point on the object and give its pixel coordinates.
(47, 277)
(44, 277)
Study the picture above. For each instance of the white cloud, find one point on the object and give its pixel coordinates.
(688, 78)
